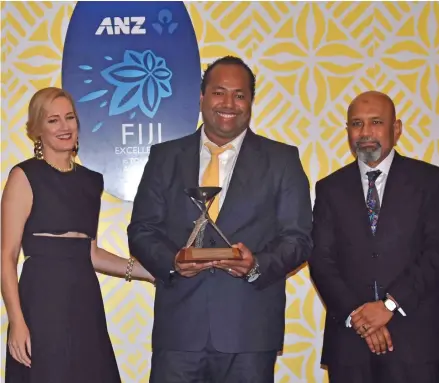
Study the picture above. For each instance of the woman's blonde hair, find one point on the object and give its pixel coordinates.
(37, 112)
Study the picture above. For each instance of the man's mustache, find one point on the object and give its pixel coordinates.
(367, 140)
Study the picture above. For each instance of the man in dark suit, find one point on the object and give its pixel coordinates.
(376, 256)
(222, 321)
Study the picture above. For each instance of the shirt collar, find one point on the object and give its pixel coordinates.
(383, 166)
(236, 143)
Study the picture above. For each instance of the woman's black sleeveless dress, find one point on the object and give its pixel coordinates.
(59, 291)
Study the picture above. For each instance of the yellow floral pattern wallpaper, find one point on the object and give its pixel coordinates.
(311, 59)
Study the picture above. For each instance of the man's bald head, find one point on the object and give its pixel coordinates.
(365, 97)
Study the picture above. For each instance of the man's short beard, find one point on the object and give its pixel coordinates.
(368, 155)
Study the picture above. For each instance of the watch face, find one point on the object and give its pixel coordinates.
(390, 305)
(253, 277)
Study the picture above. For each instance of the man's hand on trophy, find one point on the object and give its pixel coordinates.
(238, 268)
(190, 269)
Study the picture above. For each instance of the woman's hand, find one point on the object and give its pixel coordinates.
(19, 343)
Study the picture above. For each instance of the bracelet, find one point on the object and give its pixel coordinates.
(129, 270)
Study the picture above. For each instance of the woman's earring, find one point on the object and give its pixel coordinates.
(38, 149)
(75, 148)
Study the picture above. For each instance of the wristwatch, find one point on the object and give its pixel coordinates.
(254, 272)
(390, 304)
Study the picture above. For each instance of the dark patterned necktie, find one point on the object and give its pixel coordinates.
(373, 200)
(373, 209)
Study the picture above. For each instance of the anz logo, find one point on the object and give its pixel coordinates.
(118, 25)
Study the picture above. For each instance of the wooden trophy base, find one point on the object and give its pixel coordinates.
(194, 254)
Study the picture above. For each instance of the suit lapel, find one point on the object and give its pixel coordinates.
(355, 200)
(188, 162)
(395, 196)
(245, 181)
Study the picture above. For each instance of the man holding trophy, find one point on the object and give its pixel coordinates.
(221, 217)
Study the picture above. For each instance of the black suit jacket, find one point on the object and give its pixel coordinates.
(403, 258)
(267, 207)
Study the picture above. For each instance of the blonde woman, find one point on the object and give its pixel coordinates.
(50, 208)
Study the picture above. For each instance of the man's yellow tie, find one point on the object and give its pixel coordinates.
(211, 175)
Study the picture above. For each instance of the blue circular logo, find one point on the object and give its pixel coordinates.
(133, 69)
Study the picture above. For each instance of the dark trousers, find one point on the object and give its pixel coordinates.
(211, 366)
(381, 370)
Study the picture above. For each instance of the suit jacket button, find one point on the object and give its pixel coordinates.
(212, 242)
(374, 255)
